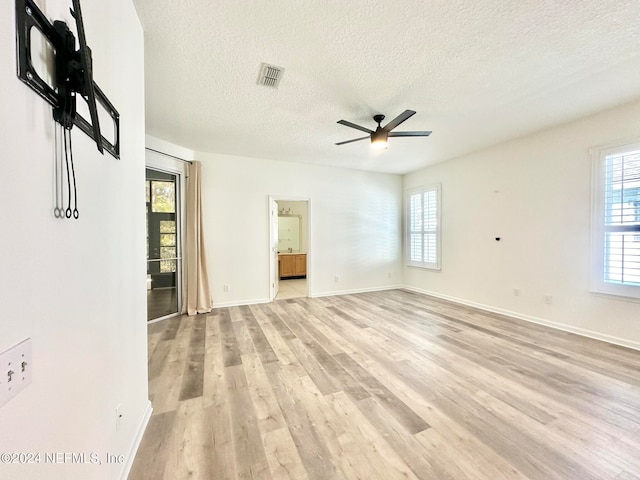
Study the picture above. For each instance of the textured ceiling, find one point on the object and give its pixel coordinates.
(477, 73)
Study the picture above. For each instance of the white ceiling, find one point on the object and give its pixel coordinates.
(478, 72)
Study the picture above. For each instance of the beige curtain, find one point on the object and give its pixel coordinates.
(197, 296)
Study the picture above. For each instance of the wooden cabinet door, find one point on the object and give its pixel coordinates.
(301, 264)
(287, 265)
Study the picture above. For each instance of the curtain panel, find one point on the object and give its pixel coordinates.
(197, 295)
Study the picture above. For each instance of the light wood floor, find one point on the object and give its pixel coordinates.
(385, 385)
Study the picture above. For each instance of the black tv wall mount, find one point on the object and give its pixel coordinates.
(73, 73)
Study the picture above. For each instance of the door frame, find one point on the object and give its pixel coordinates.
(165, 164)
(273, 268)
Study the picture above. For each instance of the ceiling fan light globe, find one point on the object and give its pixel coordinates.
(379, 139)
(379, 143)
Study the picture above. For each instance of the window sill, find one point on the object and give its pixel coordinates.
(615, 296)
(424, 267)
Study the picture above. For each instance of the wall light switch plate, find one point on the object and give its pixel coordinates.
(15, 370)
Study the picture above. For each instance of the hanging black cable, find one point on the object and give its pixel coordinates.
(76, 214)
(58, 211)
(66, 158)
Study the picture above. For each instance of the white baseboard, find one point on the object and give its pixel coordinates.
(131, 454)
(239, 303)
(528, 318)
(357, 290)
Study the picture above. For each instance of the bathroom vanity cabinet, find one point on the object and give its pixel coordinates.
(292, 265)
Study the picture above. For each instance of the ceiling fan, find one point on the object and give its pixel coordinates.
(379, 137)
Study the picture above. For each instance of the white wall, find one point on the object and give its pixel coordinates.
(76, 288)
(355, 225)
(534, 193)
(167, 148)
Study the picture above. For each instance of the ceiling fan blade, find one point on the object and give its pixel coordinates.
(398, 120)
(353, 125)
(354, 140)
(409, 134)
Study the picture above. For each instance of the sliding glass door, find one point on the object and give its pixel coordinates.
(163, 244)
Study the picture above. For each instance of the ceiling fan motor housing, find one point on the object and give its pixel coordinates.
(379, 137)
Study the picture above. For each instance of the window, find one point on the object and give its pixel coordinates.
(423, 227)
(168, 245)
(163, 197)
(161, 223)
(616, 232)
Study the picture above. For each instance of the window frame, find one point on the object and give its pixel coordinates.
(598, 284)
(437, 265)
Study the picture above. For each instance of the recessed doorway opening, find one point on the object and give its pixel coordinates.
(289, 247)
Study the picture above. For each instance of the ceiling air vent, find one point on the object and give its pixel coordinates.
(270, 75)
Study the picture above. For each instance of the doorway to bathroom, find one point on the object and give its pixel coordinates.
(289, 247)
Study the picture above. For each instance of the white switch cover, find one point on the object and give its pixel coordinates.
(15, 370)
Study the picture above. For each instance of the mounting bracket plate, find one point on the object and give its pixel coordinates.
(29, 16)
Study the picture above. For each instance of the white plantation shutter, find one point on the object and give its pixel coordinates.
(622, 218)
(617, 221)
(423, 227)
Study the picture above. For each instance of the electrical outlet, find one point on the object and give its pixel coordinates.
(226, 288)
(336, 279)
(15, 370)
(389, 275)
(548, 299)
(516, 292)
